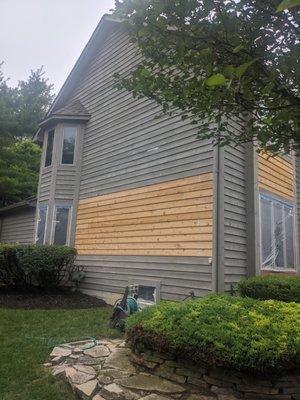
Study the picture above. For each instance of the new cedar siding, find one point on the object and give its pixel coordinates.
(171, 218)
(18, 226)
(276, 176)
(126, 147)
(235, 229)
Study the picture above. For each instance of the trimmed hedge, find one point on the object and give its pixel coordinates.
(26, 266)
(284, 288)
(219, 330)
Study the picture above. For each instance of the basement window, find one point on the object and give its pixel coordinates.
(146, 295)
(41, 224)
(49, 148)
(277, 233)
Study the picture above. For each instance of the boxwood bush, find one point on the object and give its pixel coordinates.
(219, 330)
(27, 266)
(285, 288)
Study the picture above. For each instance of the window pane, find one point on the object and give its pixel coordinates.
(289, 240)
(146, 293)
(69, 145)
(48, 159)
(266, 234)
(61, 225)
(42, 215)
(278, 235)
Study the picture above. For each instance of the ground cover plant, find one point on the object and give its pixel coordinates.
(241, 333)
(285, 288)
(27, 337)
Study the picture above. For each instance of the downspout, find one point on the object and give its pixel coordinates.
(216, 219)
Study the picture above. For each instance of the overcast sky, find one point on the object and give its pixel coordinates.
(51, 33)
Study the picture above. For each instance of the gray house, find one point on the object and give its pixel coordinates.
(145, 202)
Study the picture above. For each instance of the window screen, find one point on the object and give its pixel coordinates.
(41, 224)
(69, 145)
(61, 225)
(49, 149)
(277, 233)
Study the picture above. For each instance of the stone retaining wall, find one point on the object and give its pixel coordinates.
(108, 370)
(220, 383)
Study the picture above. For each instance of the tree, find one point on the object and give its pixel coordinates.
(21, 108)
(219, 63)
(19, 166)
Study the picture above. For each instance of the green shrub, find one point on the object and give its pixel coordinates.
(284, 288)
(219, 330)
(26, 266)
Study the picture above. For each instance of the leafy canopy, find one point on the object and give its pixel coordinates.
(222, 64)
(21, 108)
(19, 167)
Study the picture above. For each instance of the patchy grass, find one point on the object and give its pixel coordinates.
(27, 337)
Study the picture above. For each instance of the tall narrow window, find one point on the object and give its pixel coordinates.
(41, 224)
(61, 224)
(277, 233)
(69, 145)
(49, 149)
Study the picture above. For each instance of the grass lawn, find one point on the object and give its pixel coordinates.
(26, 340)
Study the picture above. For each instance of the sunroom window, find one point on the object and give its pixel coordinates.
(49, 149)
(69, 143)
(62, 216)
(41, 224)
(277, 233)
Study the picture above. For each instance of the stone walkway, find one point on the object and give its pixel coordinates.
(109, 371)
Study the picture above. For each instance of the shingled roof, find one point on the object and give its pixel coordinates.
(74, 108)
(73, 111)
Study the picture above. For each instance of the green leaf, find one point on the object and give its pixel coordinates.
(241, 70)
(285, 4)
(216, 80)
(238, 48)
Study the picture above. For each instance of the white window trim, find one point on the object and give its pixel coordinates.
(289, 203)
(75, 146)
(53, 223)
(37, 222)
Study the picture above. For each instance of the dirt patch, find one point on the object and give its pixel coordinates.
(62, 299)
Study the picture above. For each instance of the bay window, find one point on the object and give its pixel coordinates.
(49, 148)
(277, 233)
(41, 224)
(61, 224)
(69, 142)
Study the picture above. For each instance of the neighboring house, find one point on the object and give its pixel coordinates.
(17, 222)
(147, 203)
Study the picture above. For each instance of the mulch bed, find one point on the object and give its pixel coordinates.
(58, 299)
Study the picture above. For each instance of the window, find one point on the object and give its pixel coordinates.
(146, 295)
(277, 233)
(49, 149)
(61, 225)
(41, 224)
(69, 145)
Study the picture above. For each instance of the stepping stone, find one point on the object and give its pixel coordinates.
(85, 369)
(112, 392)
(155, 397)
(98, 397)
(97, 351)
(87, 390)
(77, 377)
(120, 359)
(60, 352)
(59, 370)
(149, 382)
